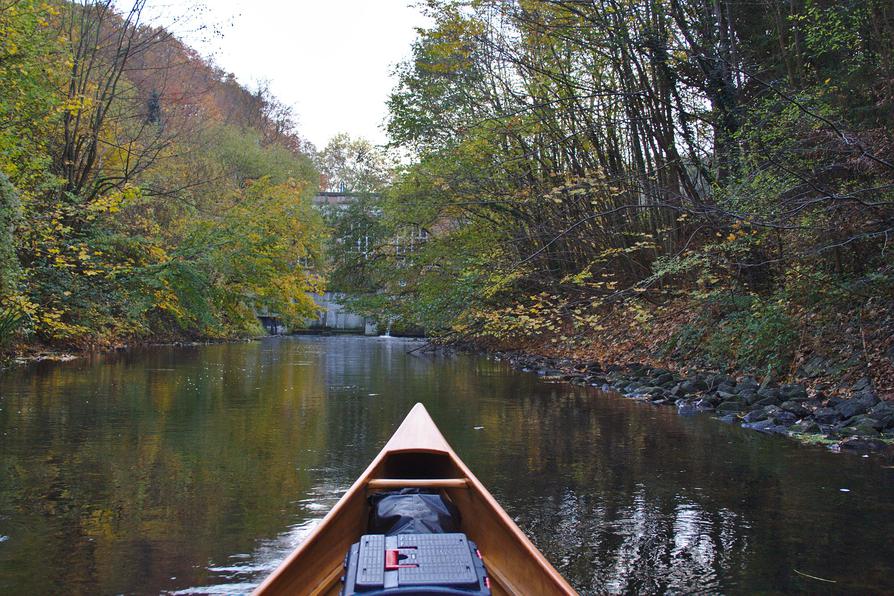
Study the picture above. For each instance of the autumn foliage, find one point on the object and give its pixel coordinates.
(152, 195)
(613, 160)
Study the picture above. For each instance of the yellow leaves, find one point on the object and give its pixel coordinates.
(113, 202)
(50, 321)
(158, 254)
(74, 105)
(50, 9)
(578, 278)
(440, 183)
(166, 300)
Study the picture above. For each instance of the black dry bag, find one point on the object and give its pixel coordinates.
(412, 511)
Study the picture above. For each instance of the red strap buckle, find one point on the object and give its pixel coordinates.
(392, 556)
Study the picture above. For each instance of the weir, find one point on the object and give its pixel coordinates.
(334, 317)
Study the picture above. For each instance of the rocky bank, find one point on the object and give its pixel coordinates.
(858, 421)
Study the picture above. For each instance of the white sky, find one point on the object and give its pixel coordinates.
(329, 59)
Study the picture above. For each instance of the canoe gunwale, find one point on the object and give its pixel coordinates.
(418, 435)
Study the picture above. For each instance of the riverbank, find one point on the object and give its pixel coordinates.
(858, 421)
(836, 390)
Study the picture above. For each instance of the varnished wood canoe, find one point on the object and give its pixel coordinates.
(418, 456)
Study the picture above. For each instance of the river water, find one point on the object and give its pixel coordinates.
(196, 470)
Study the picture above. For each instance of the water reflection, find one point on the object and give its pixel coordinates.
(242, 572)
(197, 470)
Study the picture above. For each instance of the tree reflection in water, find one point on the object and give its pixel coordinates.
(197, 470)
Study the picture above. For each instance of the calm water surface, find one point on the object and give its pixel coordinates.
(196, 470)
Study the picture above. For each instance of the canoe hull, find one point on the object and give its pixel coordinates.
(418, 455)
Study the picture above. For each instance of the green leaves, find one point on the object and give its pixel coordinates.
(9, 219)
(126, 223)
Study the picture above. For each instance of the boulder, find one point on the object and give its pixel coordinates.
(867, 396)
(687, 408)
(862, 444)
(826, 415)
(814, 367)
(705, 404)
(795, 408)
(864, 428)
(767, 401)
(884, 413)
(851, 407)
(806, 427)
(749, 396)
(726, 388)
(792, 392)
(764, 426)
(721, 379)
(862, 384)
(693, 385)
(678, 391)
(756, 416)
(864, 420)
(712, 399)
(834, 401)
(768, 392)
(747, 384)
(550, 373)
(783, 418)
(732, 405)
(661, 379)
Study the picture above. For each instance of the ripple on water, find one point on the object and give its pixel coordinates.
(244, 571)
(199, 470)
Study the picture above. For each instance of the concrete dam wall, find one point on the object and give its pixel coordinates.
(334, 317)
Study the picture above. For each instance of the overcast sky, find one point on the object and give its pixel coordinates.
(329, 59)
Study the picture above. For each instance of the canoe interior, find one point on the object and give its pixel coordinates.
(513, 563)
